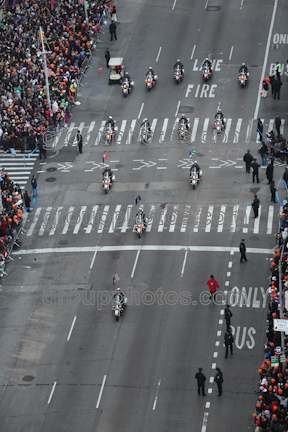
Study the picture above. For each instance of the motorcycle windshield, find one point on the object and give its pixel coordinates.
(206, 65)
(139, 220)
(106, 176)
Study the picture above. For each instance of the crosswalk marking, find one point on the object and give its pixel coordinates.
(90, 129)
(205, 128)
(209, 219)
(175, 125)
(100, 133)
(237, 131)
(271, 124)
(131, 131)
(153, 125)
(121, 132)
(88, 229)
(227, 130)
(68, 133)
(221, 218)
(35, 220)
(282, 127)
(19, 167)
(194, 130)
(173, 218)
(164, 128)
(103, 220)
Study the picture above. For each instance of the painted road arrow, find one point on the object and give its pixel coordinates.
(65, 167)
(185, 165)
(146, 164)
(225, 163)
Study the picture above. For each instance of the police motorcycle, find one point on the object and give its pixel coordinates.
(140, 223)
(127, 85)
(178, 72)
(145, 132)
(151, 79)
(243, 75)
(107, 180)
(206, 70)
(119, 304)
(195, 175)
(183, 128)
(219, 125)
(110, 130)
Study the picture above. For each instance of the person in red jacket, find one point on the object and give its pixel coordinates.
(212, 284)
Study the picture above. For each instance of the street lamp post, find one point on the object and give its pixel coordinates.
(43, 52)
(284, 236)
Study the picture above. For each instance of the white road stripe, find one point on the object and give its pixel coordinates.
(184, 263)
(221, 218)
(246, 218)
(55, 223)
(162, 220)
(71, 329)
(46, 221)
(173, 135)
(67, 220)
(185, 218)
(282, 127)
(157, 391)
(270, 126)
(173, 219)
(99, 134)
(121, 132)
(68, 133)
(35, 220)
(52, 391)
(257, 222)
(126, 220)
(90, 129)
(80, 219)
(197, 220)
(209, 219)
(163, 132)
(248, 132)
(135, 263)
(227, 130)
(205, 128)
(131, 132)
(150, 218)
(153, 125)
(89, 227)
(140, 112)
(159, 52)
(231, 51)
(193, 52)
(270, 220)
(237, 131)
(103, 220)
(114, 219)
(234, 218)
(101, 391)
(194, 130)
(176, 113)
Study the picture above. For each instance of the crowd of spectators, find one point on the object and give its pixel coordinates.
(24, 110)
(270, 413)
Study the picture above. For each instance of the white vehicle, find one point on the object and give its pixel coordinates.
(119, 306)
(107, 182)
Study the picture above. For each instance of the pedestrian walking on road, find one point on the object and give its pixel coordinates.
(34, 185)
(272, 82)
(228, 341)
(219, 380)
(255, 170)
(255, 206)
(278, 124)
(213, 285)
(273, 191)
(227, 315)
(264, 152)
(41, 146)
(260, 129)
(200, 377)
(242, 249)
(248, 158)
(285, 176)
(107, 56)
(27, 201)
(265, 88)
(269, 172)
(113, 13)
(277, 88)
(79, 141)
(112, 29)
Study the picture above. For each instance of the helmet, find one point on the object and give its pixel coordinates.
(195, 162)
(126, 73)
(145, 119)
(110, 118)
(150, 68)
(106, 168)
(183, 115)
(118, 289)
(219, 110)
(206, 59)
(178, 61)
(243, 64)
(140, 209)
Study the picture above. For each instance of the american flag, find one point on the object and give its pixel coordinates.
(116, 278)
(105, 157)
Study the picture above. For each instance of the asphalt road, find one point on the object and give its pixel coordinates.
(66, 364)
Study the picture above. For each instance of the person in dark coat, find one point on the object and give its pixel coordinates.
(285, 176)
(228, 341)
(27, 201)
(277, 88)
(112, 30)
(41, 146)
(272, 82)
(255, 170)
(107, 56)
(278, 124)
(242, 249)
(255, 206)
(200, 377)
(227, 315)
(264, 152)
(260, 128)
(269, 172)
(248, 158)
(34, 185)
(219, 380)
(273, 191)
(79, 141)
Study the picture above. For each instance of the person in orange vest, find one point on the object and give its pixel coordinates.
(113, 13)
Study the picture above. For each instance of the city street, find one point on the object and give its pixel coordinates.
(67, 365)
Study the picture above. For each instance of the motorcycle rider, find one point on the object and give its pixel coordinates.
(221, 115)
(119, 293)
(183, 118)
(244, 69)
(110, 173)
(195, 165)
(146, 123)
(209, 64)
(140, 213)
(150, 71)
(128, 78)
(181, 66)
(110, 122)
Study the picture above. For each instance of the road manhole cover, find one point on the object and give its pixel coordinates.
(51, 169)
(140, 286)
(246, 203)
(224, 80)
(237, 150)
(63, 242)
(50, 179)
(175, 192)
(119, 166)
(213, 8)
(199, 154)
(28, 378)
(254, 238)
(186, 109)
(158, 192)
